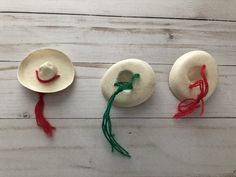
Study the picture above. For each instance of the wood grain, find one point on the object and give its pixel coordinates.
(85, 100)
(107, 40)
(96, 34)
(196, 9)
(183, 148)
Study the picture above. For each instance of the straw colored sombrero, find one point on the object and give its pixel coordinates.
(45, 71)
(48, 63)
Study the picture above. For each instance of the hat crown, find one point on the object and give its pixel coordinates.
(47, 71)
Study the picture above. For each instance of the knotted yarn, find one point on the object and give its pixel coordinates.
(106, 122)
(188, 105)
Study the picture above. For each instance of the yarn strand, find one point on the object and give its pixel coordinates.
(40, 119)
(188, 105)
(106, 122)
(39, 107)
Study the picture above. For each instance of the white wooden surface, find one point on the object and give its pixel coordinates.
(96, 34)
(196, 9)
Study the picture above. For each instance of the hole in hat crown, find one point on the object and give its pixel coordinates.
(125, 76)
(47, 71)
(194, 73)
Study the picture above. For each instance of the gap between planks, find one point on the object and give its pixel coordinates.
(115, 16)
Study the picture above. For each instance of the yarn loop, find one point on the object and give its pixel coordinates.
(46, 81)
(188, 105)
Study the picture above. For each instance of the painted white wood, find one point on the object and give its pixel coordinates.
(186, 148)
(85, 100)
(160, 146)
(197, 9)
(106, 39)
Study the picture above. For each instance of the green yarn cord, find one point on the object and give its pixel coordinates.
(106, 122)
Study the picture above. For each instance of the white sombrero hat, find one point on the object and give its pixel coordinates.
(45, 71)
(48, 63)
(193, 79)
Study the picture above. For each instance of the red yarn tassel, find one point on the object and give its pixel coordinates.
(40, 119)
(188, 105)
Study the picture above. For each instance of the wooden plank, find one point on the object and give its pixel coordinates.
(107, 40)
(197, 9)
(159, 148)
(84, 99)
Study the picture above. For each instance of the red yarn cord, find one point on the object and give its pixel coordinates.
(46, 81)
(39, 107)
(188, 105)
(40, 119)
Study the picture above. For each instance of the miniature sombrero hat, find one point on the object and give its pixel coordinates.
(45, 71)
(193, 79)
(48, 63)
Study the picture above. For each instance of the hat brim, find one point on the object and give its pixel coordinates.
(27, 68)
